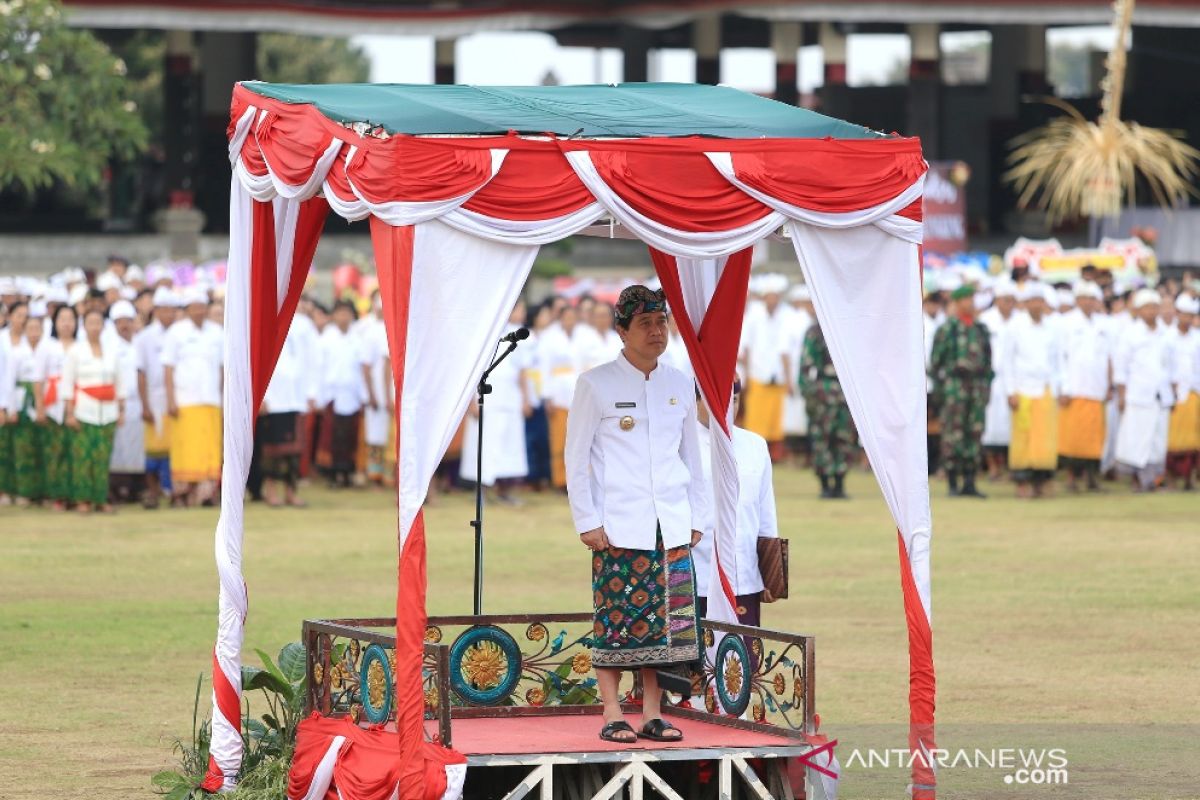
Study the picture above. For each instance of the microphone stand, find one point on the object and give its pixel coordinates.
(484, 390)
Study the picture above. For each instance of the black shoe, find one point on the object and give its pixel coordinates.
(839, 488)
(952, 479)
(826, 487)
(969, 489)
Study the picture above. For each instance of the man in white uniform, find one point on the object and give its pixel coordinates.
(638, 499)
(795, 412)
(559, 353)
(1085, 356)
(127, 467)
(1142, 373)
(767, 345)
(755, 516)
(192, 356)
(997, 417)
(152, 394)
(1183, 437)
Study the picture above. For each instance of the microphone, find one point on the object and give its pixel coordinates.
(519, 335)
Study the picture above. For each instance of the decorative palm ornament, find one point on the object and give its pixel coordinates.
(1077, 168)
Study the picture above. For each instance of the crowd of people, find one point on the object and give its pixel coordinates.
(110, 389)
(1092, 378)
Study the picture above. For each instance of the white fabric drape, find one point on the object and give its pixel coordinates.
(867, 294)
(512, 231)
(463, 288)
(226, 745)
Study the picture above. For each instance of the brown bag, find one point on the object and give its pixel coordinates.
(773, 565)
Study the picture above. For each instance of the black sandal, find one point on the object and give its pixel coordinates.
(654, 730)
(609, 731)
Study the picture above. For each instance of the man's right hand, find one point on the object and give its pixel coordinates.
(595, 539)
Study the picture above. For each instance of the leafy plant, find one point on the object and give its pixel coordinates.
(183, 782)
(268, 741)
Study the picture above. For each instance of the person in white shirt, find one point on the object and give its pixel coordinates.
(192, 356)
(756, 517)
(26, 412)
(95, 396)
(279, 429)
(1183, 435)
(768, 341)
(997, 417)
(10, 337)
(1145, 394)
(931, 319)
(795, 410)
(638, 500)
(1085, 362)
(52, 353)
(342, 395)
(380, 408)
(559, 352)
(127, 469)
(1031, 377)
(597, 342)
(505, 461)
(152, 396)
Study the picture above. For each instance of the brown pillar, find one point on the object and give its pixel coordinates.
(833, 47)
(785, 43)
(444, 71)
(925, 88)
(706, 41)
(635, 52)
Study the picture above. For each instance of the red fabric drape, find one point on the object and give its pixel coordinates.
(676, 187)
(393, 257)
(713, 350)
(291, 146)
(366, 767)
(531, 185)
(269, 320)
(832, 176)
(412, 170)
(922, 686)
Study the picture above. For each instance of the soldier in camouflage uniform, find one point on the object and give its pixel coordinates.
(830, 428)
(961, 370)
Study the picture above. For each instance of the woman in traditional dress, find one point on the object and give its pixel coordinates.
(52, 352)
(95, 395)
(10, 337)
(25, 413)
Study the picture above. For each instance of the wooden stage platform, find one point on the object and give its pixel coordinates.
(517, 696)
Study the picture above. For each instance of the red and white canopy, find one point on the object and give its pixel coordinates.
(456, 222)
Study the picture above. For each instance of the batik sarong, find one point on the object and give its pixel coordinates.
(90, 452)
(55, 440)
(645, 607)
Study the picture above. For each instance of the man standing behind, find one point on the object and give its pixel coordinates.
(152, 392)
(830, 427)
(193, 351)
(637, 496)
(997, 419)
(1142, 373)
(766, 348)
(756, 517)
(960, 364)
(1031, 373)
(1085, 362)
(1183, 437)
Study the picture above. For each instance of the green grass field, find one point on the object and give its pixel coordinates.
(1070, 622)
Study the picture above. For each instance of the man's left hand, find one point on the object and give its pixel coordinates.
(696, 537)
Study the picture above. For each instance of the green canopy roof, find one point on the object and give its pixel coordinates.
(621, 110)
